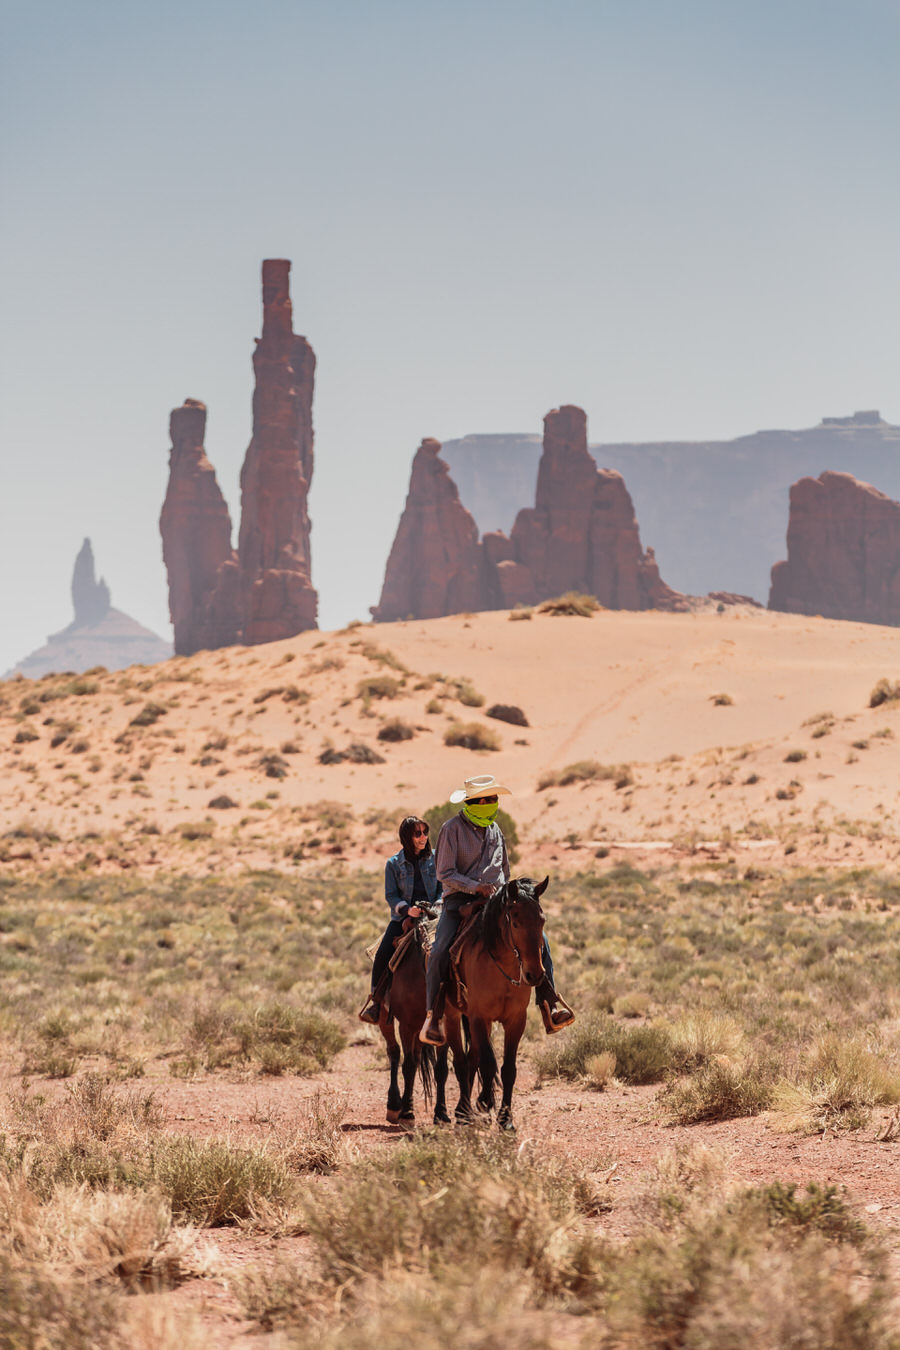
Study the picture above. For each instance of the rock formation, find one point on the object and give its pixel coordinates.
(98, 636)
(277, 596)
(581, 535)
(843, 558)
(435, 564)
(196, 533)
(90, 598)
(262, 591)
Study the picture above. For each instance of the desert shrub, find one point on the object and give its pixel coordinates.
(222, 803)
(150, 713)
(39, 1310)
(721, 700)
(290, 748)
(213, 1182)
(643, 1054)
(466, 693)
(520, 612)
(507, 712)
(794, 756)
(571, 603)
(885, 691)
(471, 736)
(585, 771)
(396, 730)
(382, 656)
(485, 1205)
(196, 829)
(25, 735)
(285, 1039)
(817, 1211)
(720, 1090)
(359, 753)
(273, 765)
(378, 686)
(217, 742)
(839, 1085)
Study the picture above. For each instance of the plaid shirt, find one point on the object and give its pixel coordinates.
(469, 856)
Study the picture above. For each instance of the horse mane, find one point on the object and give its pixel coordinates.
(490, 916)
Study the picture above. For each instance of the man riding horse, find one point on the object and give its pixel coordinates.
(472, 862)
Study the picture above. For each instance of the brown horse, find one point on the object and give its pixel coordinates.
(497, 967)
(404, 1004)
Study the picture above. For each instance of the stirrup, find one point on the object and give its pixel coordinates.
(558, 1018)
(370, 1012)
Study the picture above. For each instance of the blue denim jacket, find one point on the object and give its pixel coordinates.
(399, 875)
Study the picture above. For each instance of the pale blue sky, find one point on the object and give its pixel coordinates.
(681, 216)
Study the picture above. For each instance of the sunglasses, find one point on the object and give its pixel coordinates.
(483, 801)
(420, 829)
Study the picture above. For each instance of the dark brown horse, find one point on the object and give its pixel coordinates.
(404, 1005)
(498, 966)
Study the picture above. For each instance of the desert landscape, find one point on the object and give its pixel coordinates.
(193, 1119)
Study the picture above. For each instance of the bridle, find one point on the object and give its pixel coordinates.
(509, 939)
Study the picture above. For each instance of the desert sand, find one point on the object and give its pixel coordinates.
(735, 730)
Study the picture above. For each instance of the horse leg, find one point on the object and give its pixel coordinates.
(393, 1050)
(441, 1069)
(411, 1051)
(453, 1022)
(486, 1063)
(512, 1034)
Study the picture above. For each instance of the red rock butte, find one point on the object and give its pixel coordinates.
(260, 592)
(843, 543)
(581, 535)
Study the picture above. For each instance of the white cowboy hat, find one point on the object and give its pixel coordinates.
(482, 785)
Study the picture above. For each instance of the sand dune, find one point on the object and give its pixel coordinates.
(141, 754)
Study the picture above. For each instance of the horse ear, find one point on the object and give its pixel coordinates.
(539, 890)
(512, 890)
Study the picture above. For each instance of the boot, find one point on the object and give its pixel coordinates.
(432, 1032)
(556, 1018)
(371, 1013)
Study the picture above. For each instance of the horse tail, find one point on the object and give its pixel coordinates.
(426, 1070)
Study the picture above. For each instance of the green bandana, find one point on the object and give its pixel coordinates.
(480, 815)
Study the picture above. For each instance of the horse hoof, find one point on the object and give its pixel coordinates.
(507, 1125)
(442, 1118)
(484, 1108)
(393, 1115)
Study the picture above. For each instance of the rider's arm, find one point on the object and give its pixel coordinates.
(392, 895)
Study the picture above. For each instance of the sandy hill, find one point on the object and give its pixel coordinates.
(644, 732)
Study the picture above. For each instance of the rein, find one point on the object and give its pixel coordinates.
(513, 982)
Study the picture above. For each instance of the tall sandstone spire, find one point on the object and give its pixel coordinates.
(196, 534)
(262, 591)
(277, 596)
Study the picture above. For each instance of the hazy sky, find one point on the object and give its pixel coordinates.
(681, 216)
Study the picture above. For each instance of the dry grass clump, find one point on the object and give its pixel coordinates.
(885, 691)
(720, 1090)
(150, 713)
(584, 606)
(471, 736)
(721, 700)
(520, 612)
(586, 771)
(355, 753)
(839, 1085)
(643, 1054)
(378, 686)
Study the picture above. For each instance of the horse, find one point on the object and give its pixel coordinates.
(497, 963)
(404, 1003)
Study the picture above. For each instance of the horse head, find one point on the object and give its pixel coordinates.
(524, 922)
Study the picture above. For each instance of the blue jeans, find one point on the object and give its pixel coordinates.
(439, 956)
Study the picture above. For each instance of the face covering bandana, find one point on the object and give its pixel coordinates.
(480, 815)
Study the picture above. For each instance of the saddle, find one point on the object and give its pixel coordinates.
(402, 947)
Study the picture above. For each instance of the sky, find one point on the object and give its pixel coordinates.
(680, 216)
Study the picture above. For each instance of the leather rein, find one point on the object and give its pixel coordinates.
(510, 943)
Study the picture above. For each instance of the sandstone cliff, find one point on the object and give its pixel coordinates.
(196, 534)
(843, 558)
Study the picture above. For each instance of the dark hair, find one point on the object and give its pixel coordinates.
(407, 825)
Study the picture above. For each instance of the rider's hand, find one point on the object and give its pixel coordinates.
(485, 890)
(414, 911)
